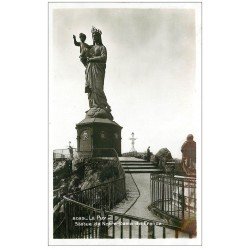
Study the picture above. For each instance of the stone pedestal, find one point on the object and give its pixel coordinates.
(98, 133)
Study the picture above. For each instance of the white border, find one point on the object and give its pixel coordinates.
(195, 241)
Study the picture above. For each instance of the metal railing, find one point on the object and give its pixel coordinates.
(87, 215)
(96, 152)
(104, 195)
(83, 221)
(174, 197)
(65, 153)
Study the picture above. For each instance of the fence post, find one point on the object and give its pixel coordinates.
(124, 188)
(113, 184)
(151, 231)
(103, 230)
(163, 195)
(65, 207)
(183, 201)
(176, 234)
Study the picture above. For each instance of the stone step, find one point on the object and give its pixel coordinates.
(127, 159)
(143, 171)
(137, 163)
(140, 167)
(149, 170)
(132, 160)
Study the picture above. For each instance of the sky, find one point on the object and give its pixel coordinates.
(150, 80)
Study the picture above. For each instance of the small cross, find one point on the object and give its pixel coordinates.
(132, 142)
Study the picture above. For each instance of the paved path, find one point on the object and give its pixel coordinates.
(132, 195)
(140, 208)
(138, 200)
(137, 205)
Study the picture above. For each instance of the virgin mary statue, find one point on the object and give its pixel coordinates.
(95, 74)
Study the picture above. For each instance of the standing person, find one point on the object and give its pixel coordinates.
(188, 150)
(148, 154)
(71, 152)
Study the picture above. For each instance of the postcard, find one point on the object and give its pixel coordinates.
(125, 123)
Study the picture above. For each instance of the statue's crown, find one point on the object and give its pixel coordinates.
(95, 30)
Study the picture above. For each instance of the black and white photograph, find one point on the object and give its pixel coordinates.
(125, 123)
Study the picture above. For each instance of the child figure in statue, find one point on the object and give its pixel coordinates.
(84, 52)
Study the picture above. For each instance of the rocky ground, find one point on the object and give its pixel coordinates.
(70, 175)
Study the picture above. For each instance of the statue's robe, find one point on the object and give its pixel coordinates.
(95, 74)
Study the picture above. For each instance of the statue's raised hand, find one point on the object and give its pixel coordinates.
(74, 36)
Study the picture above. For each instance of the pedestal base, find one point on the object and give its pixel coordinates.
(98, 135)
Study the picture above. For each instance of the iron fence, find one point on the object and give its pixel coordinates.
(83, 221)
(105, 195)
(173, 197)
(96, 152)
(65, 153)
(87, 215)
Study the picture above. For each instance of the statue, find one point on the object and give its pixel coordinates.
(94, 58)
(84, 48)
(188, 150)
